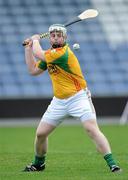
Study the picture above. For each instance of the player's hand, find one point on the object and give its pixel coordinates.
(35, 37)
(28, 42)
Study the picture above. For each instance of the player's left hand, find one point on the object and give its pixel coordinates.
(35, 37)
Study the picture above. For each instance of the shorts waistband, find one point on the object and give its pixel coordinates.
(76, 94)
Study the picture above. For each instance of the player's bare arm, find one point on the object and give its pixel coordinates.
(31, 60)
(36, 47)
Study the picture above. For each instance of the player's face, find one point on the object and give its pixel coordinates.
(57, 39)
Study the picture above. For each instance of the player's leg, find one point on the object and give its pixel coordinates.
(50, 120)
(97, 136)
(41, 141)
(101, 143)
(81, 106)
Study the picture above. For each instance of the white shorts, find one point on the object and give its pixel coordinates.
(79, 106)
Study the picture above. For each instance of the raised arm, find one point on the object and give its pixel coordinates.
(31, 60)
(37, 49)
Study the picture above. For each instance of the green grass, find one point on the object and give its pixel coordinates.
(71, 154)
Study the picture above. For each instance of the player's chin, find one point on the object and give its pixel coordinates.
(56, 45)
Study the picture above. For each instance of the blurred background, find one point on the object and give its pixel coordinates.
(103, 54)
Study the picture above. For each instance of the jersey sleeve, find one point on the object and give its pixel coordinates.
(41, 64)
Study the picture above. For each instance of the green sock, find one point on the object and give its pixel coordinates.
(109, 159)
(38, 160)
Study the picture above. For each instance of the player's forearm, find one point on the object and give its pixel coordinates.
(37, 50)
(30, 60)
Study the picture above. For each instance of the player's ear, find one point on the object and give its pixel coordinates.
(65, 36)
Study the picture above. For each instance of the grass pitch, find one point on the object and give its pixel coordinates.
(71, 154)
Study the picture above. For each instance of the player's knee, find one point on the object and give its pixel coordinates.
(41, 134)
(92, 129)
